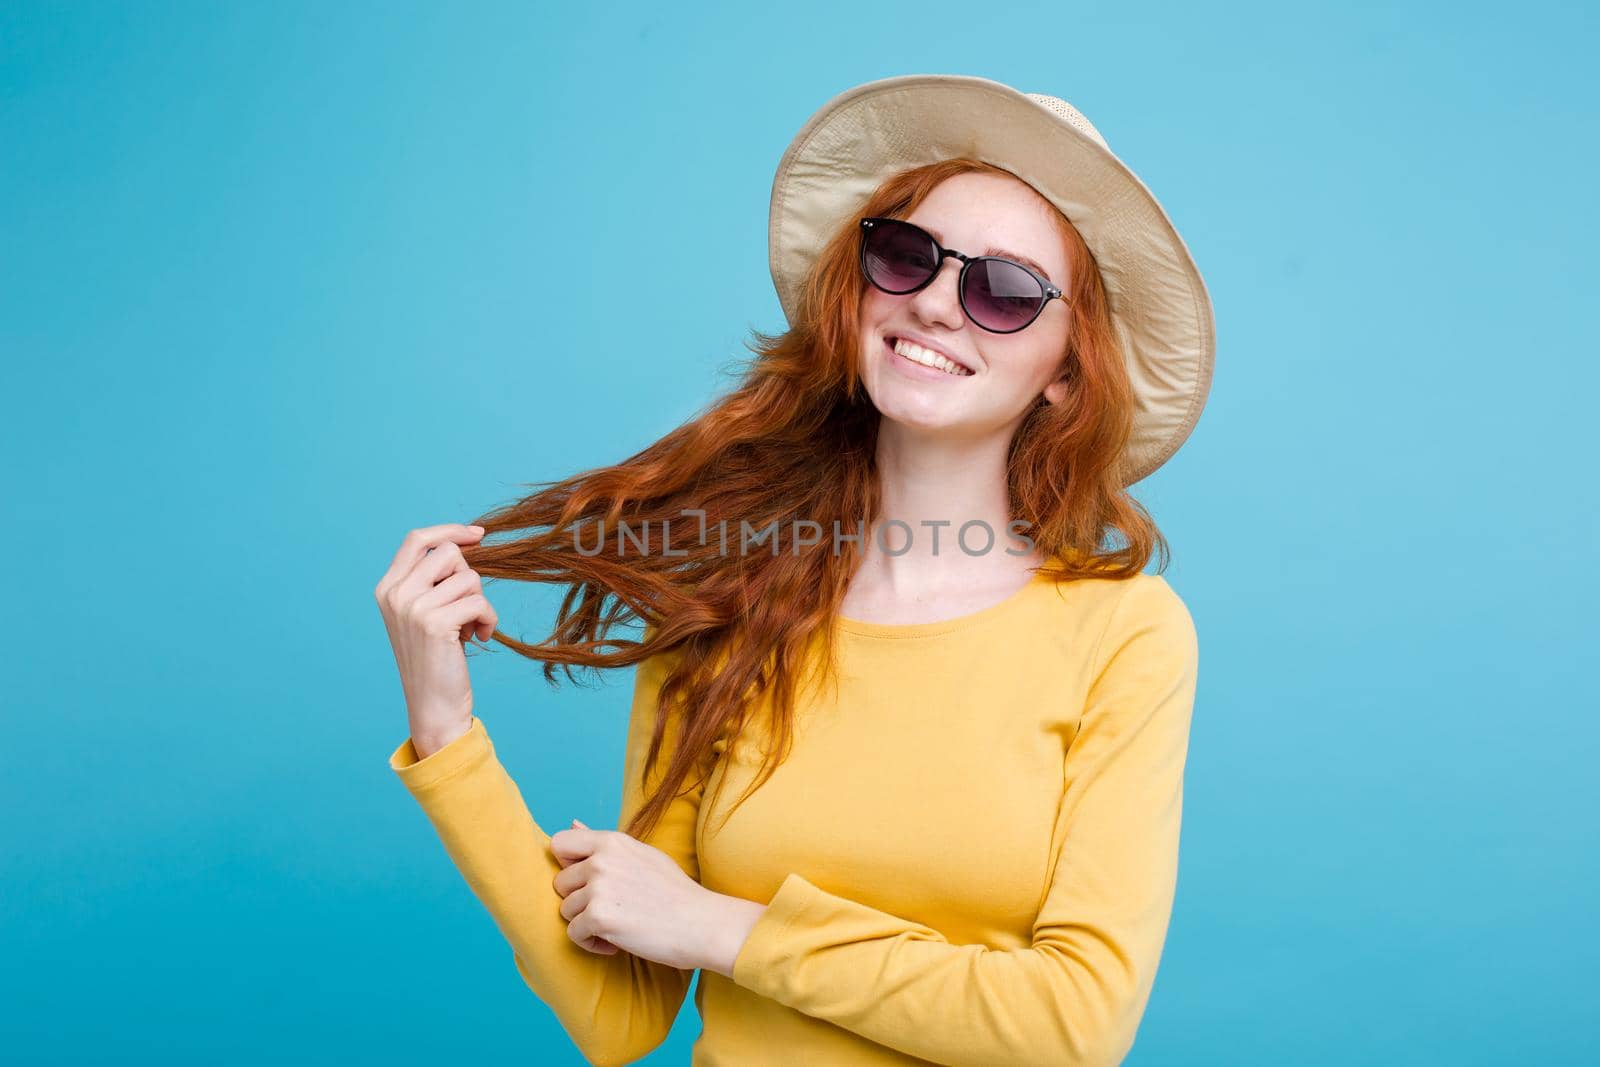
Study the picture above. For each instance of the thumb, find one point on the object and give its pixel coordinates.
(579, 824)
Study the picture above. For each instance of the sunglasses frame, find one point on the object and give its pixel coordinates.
(1051, 292)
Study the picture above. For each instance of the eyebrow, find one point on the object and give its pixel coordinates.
(1018, 256)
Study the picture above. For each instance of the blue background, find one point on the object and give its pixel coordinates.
(280, 282)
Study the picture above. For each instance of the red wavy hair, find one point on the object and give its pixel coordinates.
(795, 441)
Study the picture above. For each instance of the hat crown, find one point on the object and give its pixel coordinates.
(1071, 114)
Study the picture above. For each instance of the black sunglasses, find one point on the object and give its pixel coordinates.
(999, 295)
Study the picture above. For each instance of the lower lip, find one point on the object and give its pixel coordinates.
(917, 370)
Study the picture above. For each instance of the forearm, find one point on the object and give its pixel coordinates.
(615, 1008)
(1072, 1000)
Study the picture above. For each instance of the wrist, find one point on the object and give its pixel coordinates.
(430, 740)
(733, 919)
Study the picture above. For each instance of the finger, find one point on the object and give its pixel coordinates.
(486, 628)
(582, 930)
(574, 875)
(444, 561)
(573, 905)
(470, 609)
(416, 543)
(463, 583)
(428, 571)
(575, 844)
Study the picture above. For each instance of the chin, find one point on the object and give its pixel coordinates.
(916, 413)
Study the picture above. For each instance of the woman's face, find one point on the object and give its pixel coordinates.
(971, 213)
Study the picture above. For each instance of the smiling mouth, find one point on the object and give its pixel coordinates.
(953, 370)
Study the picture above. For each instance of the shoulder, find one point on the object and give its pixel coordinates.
(1146, 612)
(1088, 619)
(1151, 596)
(1113, 600)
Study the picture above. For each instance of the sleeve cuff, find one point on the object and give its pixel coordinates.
(461, 755)
(766, 951)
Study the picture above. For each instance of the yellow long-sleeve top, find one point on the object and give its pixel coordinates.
(969, 856)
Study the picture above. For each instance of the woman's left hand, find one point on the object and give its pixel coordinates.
(620, 893)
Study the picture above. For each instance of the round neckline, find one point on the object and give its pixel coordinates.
(941, 626)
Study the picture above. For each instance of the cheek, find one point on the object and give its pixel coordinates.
(872, 308)
(1045, 363)
(1045, 356)
(869, 322)
(1026, 361)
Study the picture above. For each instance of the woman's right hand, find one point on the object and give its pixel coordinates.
(432, 603)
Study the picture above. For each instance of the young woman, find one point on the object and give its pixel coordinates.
(893, 601)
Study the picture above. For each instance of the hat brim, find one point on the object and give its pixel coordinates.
(1160, 307)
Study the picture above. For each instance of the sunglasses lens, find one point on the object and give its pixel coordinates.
(1002, 296)
(897, 257)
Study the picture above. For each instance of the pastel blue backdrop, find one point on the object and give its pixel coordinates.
(279, 282)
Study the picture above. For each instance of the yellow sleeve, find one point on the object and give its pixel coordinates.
(1076, 994)
(616, 1008)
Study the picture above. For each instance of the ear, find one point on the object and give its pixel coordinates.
(1056, 391)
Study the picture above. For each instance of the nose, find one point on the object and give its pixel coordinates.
(939, 302)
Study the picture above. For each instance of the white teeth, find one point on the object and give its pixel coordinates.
(917, 354)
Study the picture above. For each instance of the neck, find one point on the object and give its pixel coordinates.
(935, 484)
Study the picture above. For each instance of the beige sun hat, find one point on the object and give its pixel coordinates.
(1159, 304)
